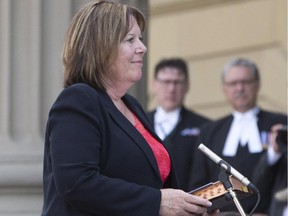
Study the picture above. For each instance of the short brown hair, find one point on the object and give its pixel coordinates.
(177, 63)
(92, 41)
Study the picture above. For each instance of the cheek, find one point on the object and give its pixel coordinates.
(226, 92)
(185, 90)
(231, 95)
(122, 57)
(124, 54)
(154, 87)
(121, 60)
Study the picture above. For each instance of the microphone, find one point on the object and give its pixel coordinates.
(226, 166)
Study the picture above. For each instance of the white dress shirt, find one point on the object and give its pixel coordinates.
(165, 122)
(243, 130)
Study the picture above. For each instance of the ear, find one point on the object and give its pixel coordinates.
(187, 86)
(258, 86)
(223, 88)
(154, 86)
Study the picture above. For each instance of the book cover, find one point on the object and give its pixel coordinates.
(219, 196)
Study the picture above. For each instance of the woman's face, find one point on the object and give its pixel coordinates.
(129, 60)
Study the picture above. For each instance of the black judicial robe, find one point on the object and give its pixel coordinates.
(271, 179)
(214, 134)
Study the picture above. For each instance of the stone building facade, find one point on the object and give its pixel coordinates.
(204, 32)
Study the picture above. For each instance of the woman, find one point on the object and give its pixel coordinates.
(101, 155)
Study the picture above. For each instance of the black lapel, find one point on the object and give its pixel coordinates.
(130, 130)
(224, 125)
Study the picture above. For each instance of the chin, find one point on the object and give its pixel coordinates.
(170, 108)
(138, 76)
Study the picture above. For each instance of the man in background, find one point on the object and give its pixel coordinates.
(177, 126)
(240, 138)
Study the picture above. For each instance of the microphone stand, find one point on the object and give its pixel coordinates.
(224, 178)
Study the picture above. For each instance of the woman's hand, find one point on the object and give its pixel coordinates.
(177, 202)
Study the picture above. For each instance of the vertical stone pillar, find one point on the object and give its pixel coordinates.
(31, 40)
(20, 139)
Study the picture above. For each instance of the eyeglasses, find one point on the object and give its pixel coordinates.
(171, 82)
(241, 82)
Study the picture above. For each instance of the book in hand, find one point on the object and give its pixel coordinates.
(219, 196)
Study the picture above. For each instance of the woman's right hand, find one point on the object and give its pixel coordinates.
(177, 202)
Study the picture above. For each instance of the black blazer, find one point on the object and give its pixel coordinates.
(270, 180)
(95, 160)
(182, 142)
(214, 134)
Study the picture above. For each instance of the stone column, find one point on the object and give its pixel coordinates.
(20, 108)
(31, 40)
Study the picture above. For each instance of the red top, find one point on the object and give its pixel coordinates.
(160, 153)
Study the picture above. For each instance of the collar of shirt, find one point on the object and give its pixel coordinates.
(243, 130)
(165, 122)
(250, 114)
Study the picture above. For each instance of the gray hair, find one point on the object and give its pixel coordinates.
(243, 63)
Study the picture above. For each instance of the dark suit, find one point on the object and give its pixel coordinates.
(214, 134)
(271, 179)
(181, 142)
(95, 160)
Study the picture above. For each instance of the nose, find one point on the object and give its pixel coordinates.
(240, 86)
(171, 86)
(141, 47)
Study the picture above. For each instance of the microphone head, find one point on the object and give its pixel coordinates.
(201, 146)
